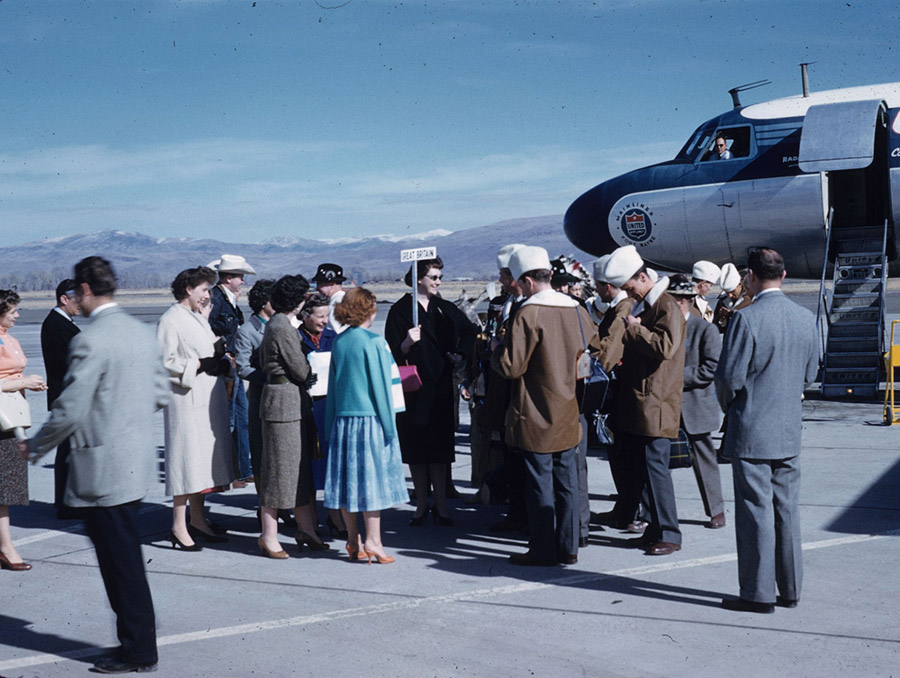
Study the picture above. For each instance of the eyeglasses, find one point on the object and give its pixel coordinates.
(435, 277)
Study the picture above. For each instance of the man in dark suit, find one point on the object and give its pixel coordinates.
(225, 317)
(57, 331)
(769, 355)
(114, 385)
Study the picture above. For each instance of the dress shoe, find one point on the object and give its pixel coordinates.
(218, 528)
(355, 553)
(568, 560)
(446, 521)
(663, 548)
(382, 560)
(178, 544)
(333, 528)
(277, 555)
(642, 542)
(5, 564)
(741, 605)
(418, 520)
(507, 525)
(637, 526)
(529, 560)
(716, 522)
(112, 665)
(314, 545)
(196, 533)
(786, 602)
(583, 542)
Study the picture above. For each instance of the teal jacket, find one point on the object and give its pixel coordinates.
(359, 381)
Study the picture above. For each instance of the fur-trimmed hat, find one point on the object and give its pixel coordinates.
(681, 286)
(707, 271)
(504, 253)
(600, 269)
(622, 265)
(528, 258)
(730, 279)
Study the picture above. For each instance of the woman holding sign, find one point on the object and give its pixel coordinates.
(440, 340)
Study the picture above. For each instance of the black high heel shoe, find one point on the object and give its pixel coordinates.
(303, 538)
(332, 528)
(178, 544)
(446, 521)
(418, 521)
(197, 533)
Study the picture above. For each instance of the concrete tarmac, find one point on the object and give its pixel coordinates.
(451, 605)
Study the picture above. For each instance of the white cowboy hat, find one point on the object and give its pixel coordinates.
(231, 263)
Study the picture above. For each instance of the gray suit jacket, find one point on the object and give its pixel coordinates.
(700, 411)
(769, 355)
(114, 384)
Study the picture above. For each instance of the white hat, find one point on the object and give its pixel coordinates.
(599, 266)
(730, 279)
(652, 274)
(504, 253)
(231, 263)
(622, 265)
(708, 271)
(528, 258)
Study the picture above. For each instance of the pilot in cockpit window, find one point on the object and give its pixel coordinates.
(721, 148)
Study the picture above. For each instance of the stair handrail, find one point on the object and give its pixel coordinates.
(881, 303)
(822, 317)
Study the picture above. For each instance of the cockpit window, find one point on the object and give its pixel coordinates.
(728, 144)
(702, 147)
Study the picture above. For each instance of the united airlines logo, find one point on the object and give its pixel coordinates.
(636, 225)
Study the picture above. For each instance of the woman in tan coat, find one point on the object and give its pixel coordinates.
(286, 475)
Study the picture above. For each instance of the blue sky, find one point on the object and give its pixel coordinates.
(243, 120)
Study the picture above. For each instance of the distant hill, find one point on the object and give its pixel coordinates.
(144, 261)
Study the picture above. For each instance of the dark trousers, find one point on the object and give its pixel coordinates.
(627, 470)
(240, 429)
(658, 497)
(61, 477)
(114, 532)
(552, 501)
(514, 467)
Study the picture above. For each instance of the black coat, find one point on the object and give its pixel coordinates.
(427, 427)
(56, 334)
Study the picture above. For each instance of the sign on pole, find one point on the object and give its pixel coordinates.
(415, 255)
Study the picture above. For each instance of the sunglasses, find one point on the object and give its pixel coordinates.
(435, 277)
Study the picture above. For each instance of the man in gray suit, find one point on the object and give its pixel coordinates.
(114, 384)
(770, 354)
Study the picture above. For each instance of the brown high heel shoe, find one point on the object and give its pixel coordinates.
(355, 553)
(277, 555)
(303, 538)
(5, 564)
(382, 560)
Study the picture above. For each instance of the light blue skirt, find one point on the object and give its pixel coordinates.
(364, 472)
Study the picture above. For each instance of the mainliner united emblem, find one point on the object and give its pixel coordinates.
(636, 225)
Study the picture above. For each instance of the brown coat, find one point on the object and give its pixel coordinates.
(539, 354)
(651, 377)
(612, 332)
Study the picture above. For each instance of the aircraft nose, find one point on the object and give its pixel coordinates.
(586, 224)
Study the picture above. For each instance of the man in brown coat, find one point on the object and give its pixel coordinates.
(627, 477)
(648, 399)
(539, 353)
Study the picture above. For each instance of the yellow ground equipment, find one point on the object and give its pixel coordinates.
(892, 362)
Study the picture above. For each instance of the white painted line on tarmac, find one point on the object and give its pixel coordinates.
(368, 610)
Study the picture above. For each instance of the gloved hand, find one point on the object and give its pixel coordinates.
(311, 380)
(209, 366)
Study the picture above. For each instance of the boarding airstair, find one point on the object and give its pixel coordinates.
(852, 312)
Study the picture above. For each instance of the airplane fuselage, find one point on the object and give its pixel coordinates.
(698, 206)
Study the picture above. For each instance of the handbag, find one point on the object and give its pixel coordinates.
(14, 411)
(397, 397)
(680, 451)
(409, 378)
(596, 380)
(603, 434)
